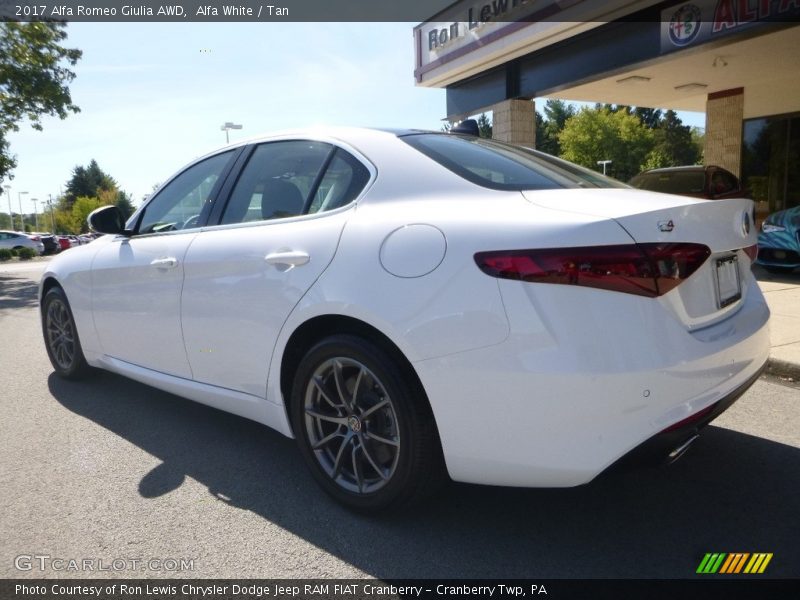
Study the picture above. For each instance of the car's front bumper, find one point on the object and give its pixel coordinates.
(779, 249)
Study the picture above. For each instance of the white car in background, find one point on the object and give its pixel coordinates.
(402, 302)
(14, 240)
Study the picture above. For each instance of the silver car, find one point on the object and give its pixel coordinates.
(15, 240)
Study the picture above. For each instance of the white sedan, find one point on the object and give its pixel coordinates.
(410, 305)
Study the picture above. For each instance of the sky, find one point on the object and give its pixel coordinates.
(153, 96)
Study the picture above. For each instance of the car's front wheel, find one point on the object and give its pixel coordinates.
(61, 336)
(364, 426)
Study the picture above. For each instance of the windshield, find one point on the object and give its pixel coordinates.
(501, 166)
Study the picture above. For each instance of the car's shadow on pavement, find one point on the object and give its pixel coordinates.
(791, 278)
(18, 292)
(732, 493)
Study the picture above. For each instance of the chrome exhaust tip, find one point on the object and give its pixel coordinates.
(681, 450)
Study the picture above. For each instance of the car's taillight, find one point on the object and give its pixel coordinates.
(35, 238)
(752, 252)
(643, 269)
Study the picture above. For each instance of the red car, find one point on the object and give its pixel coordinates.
(711, 182)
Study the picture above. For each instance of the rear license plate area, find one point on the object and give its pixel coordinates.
(729, 286)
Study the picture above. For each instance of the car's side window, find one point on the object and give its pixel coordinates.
(179, 204)
(277, 180)
(722, 182)
(344, 179)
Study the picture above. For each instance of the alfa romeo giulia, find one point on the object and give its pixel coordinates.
(410, 305)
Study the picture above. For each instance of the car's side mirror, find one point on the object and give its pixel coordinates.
(106, 219)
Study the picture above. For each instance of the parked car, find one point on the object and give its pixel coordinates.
(779, 241)
(15, 240)
(404, 301)
(50, 243)
(712, 182)
(64, 242)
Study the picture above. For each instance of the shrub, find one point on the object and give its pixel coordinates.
(6, 254)
(26, 253)
(13, 252)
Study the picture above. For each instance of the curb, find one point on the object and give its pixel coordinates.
(783, 368)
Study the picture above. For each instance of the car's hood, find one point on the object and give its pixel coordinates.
(789, 218)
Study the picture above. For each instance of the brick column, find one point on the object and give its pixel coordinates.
(514, 121)
(723, 143)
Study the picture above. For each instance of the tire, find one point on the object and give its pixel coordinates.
(778, 270)
(374, 449)
(61, 336)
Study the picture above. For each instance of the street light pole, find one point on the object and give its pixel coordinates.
(52, 216)
(604, 163)
(10, 218)
(35, 212)
(21, 221)
(227, 126)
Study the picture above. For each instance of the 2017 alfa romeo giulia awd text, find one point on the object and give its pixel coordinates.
(410, 305)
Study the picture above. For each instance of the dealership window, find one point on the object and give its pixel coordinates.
(771, 162)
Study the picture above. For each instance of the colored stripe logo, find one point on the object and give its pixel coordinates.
(734, 562)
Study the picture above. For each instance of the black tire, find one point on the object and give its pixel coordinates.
(778, 270)
(388, 408)
(61, 336)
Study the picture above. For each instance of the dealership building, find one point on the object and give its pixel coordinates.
(735, 60)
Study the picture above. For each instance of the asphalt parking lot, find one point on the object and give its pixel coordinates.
(108, 468)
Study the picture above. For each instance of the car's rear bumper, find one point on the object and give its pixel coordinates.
(666, 445)
(576, 386)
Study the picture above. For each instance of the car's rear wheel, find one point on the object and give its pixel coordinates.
(61, 336)
(363, 426)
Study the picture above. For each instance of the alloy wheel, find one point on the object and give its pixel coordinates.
(352, 426)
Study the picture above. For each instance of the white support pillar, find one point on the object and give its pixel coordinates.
(723, 142)
(514, 121)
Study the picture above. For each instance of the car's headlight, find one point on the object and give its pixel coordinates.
(771, 228)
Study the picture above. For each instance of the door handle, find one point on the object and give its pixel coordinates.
(165, 263)
(288, 258)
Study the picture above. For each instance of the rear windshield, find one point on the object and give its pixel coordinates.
(671, 182)
(500, 166)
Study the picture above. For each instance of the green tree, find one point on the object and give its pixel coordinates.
(602, 134)
(34, 76)
(699, 141)
(556, 115)
(88, 181)
(484, 126)
(125, 204)
(674, 145)
(649, 117)
(80, 211)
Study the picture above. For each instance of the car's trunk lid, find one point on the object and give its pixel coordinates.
(726, 227)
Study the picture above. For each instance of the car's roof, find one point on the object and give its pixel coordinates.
(339, 132)
(353, 136)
